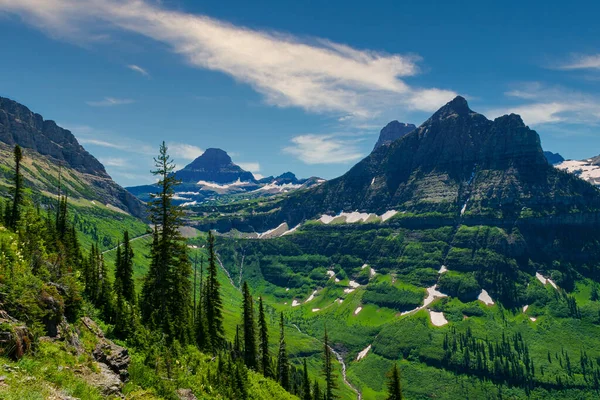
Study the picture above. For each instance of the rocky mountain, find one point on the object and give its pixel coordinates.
(457, 164)
(553, 158)
(214, 165)
(51, 151)
(392, 132)
(214, 176)
(588, 169)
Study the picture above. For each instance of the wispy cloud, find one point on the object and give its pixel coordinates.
(101, 143)
(317, 75)
(114, 162)
(139, 70)
(88, 135)
(324, 149)
(546, 104)
(108, 102)
(581, 62)
(184, 151)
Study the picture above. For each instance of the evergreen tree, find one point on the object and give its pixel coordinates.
(202, 339)
(316, 395)
(305, 384)
(283, 366)
(394, 385)
(124, 284)
(250, 356)
(214, 304)
(15, 213)
(328, 373)
(594, 294)
(166, 295)
(263, 344)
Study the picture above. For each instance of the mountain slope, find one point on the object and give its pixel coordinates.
(588, 170)
(51, 151)
(456, 163)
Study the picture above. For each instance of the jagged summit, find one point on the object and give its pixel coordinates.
(393, 131)
(214, 165)
(458, 106)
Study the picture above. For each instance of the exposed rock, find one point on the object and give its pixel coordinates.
(48, 146)
(392, 132)
(116, 358)
(553, 158)
(186, 394)
(15, 337)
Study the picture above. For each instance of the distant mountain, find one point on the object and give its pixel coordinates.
(214, 165)
(553, 158)
(458, 164)
(50, 151)
(392, 132)
(214, 175)
(588, 169)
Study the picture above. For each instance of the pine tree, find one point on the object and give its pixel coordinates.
(15, 213)
(394, 385)
(202, 339)
(214, 304)
(328, 373)
(124, 284)
(250, 357)
(166, 295)
(283, 367)
(305, 383)
(316, 395)
(263, 344)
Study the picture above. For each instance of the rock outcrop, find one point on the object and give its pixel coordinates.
(116, 358)
(15, 338)
(392, 132)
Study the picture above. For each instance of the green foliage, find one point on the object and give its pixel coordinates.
(461, 285)
(387, 295)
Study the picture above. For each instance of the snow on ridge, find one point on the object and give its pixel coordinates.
(485, 298)
(177, 197)
(363, 353)
(356, 216)
(189, 203)
(215, 185)
(583, 169)
(273, 186)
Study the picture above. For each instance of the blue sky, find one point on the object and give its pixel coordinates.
(300, 86)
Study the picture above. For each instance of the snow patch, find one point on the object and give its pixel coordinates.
(432, 294)
(583, 169)
(353, 284)
(291, 230)
(214, 185)
(274, 232)
(388, 214)
(485, 298)
(443, 269)
(525, 308)
(275, 188)
(330, 273)
(189, 203)
(316, 309)
(372, 181)
(359, 309)
(363, 353)
(295, 303)
(348, 290)
(464, 207)
(533, 319)
(545, 280)
(437, 318)
(312, 296)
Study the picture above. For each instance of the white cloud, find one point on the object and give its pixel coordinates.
(87, 135)
(101, 143)
(317, 75)
(108, 102)
(184, 151)
(139, 70)
(324, 149)
(582, 62)
(552, 104)
(115, 162)
(250, 166)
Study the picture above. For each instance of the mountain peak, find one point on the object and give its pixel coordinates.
(458, 106)
(393, 131)
(214, 165)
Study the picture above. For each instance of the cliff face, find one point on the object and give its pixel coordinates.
(48, 148)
